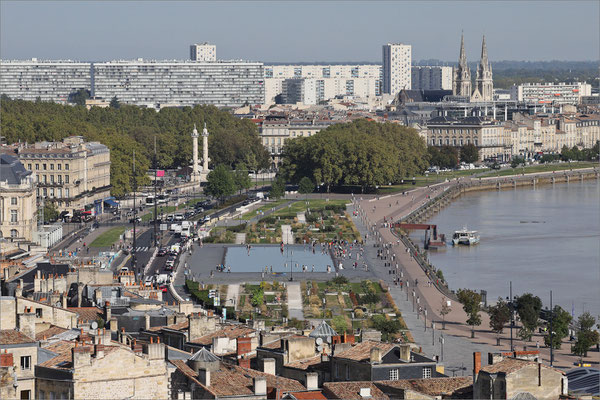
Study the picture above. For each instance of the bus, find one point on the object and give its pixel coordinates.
(150, 200)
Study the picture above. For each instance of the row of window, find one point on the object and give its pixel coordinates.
(45, 167)
(393, 373)
(59, 179)
(455, 142)
(58, 193)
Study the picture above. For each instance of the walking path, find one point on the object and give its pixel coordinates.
(294, 301)
(240, 238)
(286, 234)
(233, 292)
(371, 215)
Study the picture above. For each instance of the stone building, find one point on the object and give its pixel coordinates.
(8, 377)
(72, 173)
(23, 352)
(18, 208)
(103, 371)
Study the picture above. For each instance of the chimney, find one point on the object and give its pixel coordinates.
(204, 376)
(114, 324)
(147, 318)
(405, 352)
(260, 386)
(27, 323)
(64, 300)
(107, 313)
(99, 351)
(269, 366)
(98, 296)
(375, 355)
(539, 364)
(155, 351)
(6, 359)
(365, 392)
(476, 364)
(312, 381)
(80, 356)
(244, 345)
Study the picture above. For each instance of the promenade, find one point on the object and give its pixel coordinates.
(373, 213)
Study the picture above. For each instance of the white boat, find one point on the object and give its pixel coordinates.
(465, 236)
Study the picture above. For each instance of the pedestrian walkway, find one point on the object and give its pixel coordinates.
(240, 238)
(286, 234)
(294, 300)
(301, 217)
(233, 292)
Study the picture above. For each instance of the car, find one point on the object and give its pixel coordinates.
(170, 261)
(169, 218)
(149, 280)
(136, 219)
(179, 217)
(162, 252)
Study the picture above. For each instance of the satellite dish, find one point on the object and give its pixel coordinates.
(328, 339)
(319, 341)
(319, 348)
(94, 325)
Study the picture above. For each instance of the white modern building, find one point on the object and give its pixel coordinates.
(397, 61)
(328, 81)
(47, 80)
(431, 78)
(203, 52)
(551, 93)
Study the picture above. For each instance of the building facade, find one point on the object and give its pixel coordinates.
(431, 78)
(18, 209)
(551, 93)
(397, 61)
(72, 173)
(203, 52)
(325, 81)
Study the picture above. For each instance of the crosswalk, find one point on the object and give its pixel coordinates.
(141, 249)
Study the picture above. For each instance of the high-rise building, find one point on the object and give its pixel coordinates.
(484, 85)
(431, 78)
(203, 52)
(461, 84)
(397, 61)
(551, 93)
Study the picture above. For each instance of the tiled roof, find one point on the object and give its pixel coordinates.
(510, 365)
(230, 380)
(176, 327)
(48, 333)
(276, 344)
(304, 364)
(231, 331)
(60, 347)
(87, 313)
(64, 360)
(431, 386)
(351, 390)
(11, 336)
(204, 356)
(312, 395)
(362, 351)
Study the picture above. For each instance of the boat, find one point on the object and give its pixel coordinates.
(465, 236)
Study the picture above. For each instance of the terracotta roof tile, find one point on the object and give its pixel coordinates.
(312, 395)
(64, 360)
(176, 327)
(87, 313)
(11, 336)
(351, 390)
(509, 365)
(304, 364)
(48, 333)
(60, 347)
(431, 386)
(362, 351)
(232, 332)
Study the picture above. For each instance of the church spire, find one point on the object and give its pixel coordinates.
(484, 56)
(462, 61)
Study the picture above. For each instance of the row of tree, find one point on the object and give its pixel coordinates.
(124, 128)
(361, 153)
(528, 307)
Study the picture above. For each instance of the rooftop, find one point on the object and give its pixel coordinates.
(11, 336)
(431, 386)
(351, 390)
(510, 365)
(231, 331)
(362, 351)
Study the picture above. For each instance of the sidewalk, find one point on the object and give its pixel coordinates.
(294, 301)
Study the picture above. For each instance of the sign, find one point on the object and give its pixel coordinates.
(160, 173)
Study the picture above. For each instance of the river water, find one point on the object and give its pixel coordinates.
(541, 239)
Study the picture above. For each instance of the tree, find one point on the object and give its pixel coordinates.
(79, 97)
(50, 211)
(516, 161)
(499, 316)
(339, 281)
(220, 182)
(469, 153)
(241, 178)
(306, 185)
(339, 324)
(277, 189)
(586, 337)
(257, 296)
(386, 326)
(114, 103)
(471, 302)
(560, 327)
(528, 307)
(444, 310)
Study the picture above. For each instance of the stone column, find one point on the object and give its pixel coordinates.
(205, 149)
(195, 174)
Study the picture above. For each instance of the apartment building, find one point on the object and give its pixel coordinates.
(17, 199)
(551, 93)
(73, 173)
(139, 82)
(324, 82)
(203, 52)
(47, 80)
(397, 61)
(431, 78)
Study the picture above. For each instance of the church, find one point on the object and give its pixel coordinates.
(461, 82)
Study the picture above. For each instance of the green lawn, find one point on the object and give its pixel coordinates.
(109, 237)
(429, 179)
(313, 204)
(531, 169)
(251, 214)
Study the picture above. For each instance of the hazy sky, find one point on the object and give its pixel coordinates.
(285, 31)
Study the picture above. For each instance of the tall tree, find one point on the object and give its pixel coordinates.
(469, 153)
(241, 177)
(586, 337)
(306, 186)
(528, 308)
(114, 103)
(560, 327)
(499, 316)
(277, 189)
(471, 302)
(220, 182)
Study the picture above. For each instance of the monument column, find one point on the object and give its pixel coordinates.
(205, 149)
(195, 173)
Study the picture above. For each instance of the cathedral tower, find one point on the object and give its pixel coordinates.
(461, 84)
(484, 85)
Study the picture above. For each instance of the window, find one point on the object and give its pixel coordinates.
(59, 166)
(37, 167)
(44, 167)
(59, 178)
(39, 312)
(25, 394)
(66, 178)
(394, 374)
(52, 167)
(426, 372)
(13, 201)
(66, 167)
(51, 178)
(45, 179)
(14, 233)
(25, 362)
(29, 167)
(13, 216)
(67, 192)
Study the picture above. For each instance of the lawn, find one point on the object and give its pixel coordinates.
(251, 214)
(313, 204)
(428, 179)
(531, 169)
(109, 237)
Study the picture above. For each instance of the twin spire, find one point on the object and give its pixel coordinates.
(462, 60)
(462, 84)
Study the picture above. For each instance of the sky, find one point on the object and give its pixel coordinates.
(299, 31)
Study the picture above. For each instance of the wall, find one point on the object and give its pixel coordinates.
(527, 380)
(25, 378)
(8, 312)
(52, 315)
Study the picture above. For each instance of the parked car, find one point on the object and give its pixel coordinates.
(170, 261)
(163, 288)
(179, 217)
(136, 219)
(162, 252)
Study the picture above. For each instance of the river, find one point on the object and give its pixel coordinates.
(541, 239)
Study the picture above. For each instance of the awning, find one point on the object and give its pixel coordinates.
(111, 203)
